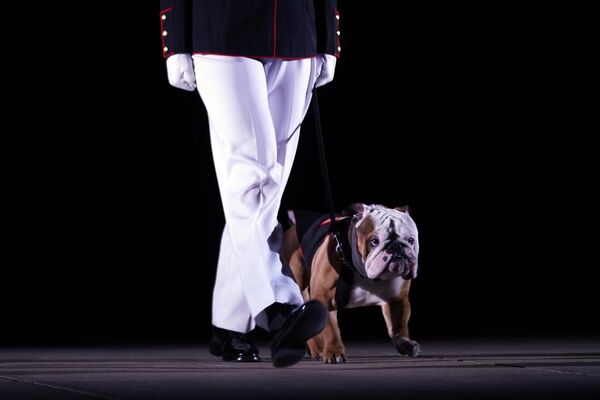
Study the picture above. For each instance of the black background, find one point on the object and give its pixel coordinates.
(476, 114)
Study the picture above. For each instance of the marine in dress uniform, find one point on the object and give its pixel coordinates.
(255, 64)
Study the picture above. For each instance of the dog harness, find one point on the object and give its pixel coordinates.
(311, 229)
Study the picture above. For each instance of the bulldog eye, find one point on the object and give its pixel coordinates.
(374, 242)
(411, 240)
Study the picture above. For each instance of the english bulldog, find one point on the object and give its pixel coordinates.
(371, 260)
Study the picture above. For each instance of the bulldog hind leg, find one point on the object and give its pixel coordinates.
(397, 314)
(327, 346)
(315, 347)
(315, 343)
(292, 254)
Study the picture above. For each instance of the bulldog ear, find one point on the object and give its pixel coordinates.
(405, 209)
(356, 208)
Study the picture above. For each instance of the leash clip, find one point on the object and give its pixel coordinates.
(338, 246)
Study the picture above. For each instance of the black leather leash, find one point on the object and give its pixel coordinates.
(337, 230)
(323, 159)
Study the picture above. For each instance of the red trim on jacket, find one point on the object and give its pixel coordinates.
(162, 29)
(275, 28)
(249, 56)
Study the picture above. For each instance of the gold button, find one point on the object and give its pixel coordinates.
(337, 17)
(163, 17)
(165, 33)
(339, 49)
(165, 49)
(338, 33)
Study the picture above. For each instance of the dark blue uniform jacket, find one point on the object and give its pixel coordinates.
(288, 29)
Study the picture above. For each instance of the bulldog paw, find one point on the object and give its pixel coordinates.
(332, 357)
(407, 346)
(315, 355)
(315, 348)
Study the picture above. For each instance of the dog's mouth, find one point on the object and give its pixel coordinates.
(385, 265)
(399, 265)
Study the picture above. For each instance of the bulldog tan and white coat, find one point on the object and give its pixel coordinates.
(382, 248)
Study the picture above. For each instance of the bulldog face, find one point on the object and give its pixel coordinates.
(385, 241)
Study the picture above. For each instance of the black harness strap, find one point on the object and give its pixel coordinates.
(344, 251)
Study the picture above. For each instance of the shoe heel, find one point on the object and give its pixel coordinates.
(215, 349)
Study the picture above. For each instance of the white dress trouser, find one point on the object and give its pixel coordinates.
(255, 109)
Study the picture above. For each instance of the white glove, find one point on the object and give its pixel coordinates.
(180, 70)
(327, 69)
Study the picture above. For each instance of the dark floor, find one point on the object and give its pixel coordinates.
(461, 369)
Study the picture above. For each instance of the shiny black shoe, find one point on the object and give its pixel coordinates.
(291, 326)
(232, 346)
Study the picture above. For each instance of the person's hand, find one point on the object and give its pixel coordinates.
(327, 69)
(180, 71)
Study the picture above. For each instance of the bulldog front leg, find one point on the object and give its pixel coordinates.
(397, 314)
(334, 350)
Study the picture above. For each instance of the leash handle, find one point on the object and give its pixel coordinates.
(323, 159)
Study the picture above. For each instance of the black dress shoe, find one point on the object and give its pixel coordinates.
(291, 326)
(232, 346)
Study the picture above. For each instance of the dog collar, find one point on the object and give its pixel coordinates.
(343, 288)
(342, 245)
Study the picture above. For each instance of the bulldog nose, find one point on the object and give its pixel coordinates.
(394, 248)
